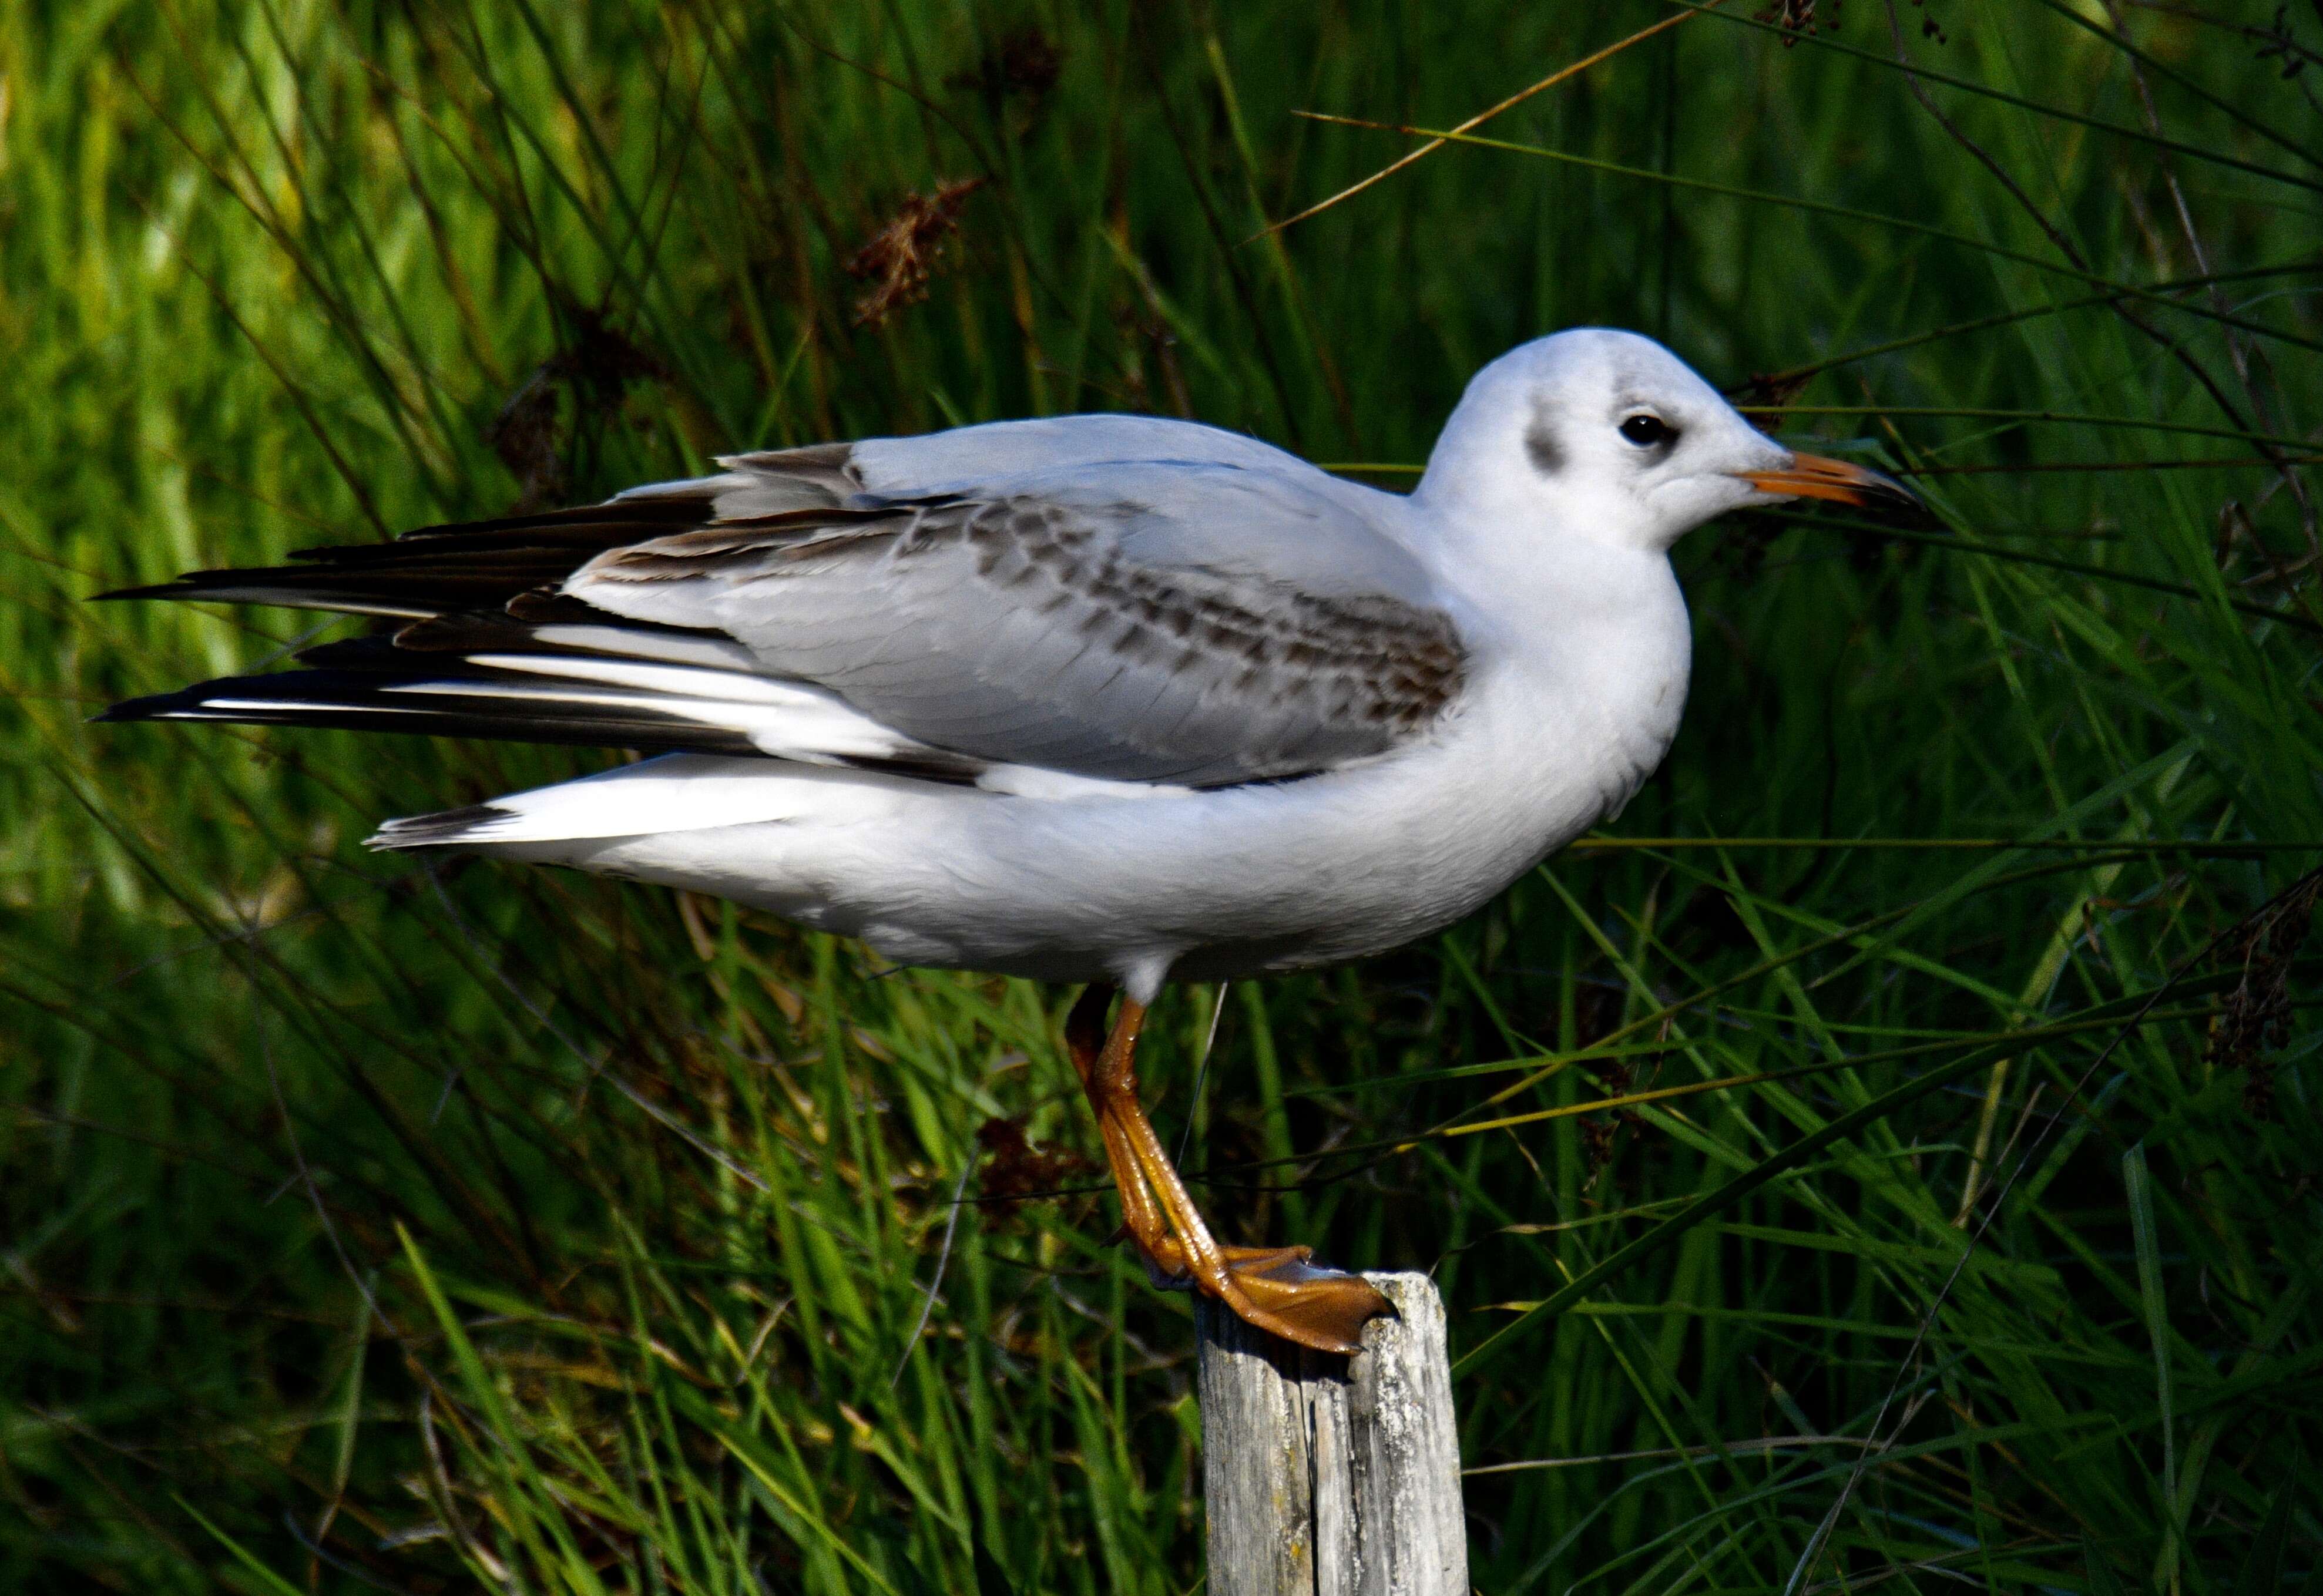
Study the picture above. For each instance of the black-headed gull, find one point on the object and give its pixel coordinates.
(1110, 699)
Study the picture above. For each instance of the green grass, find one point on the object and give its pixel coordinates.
(367, 1227)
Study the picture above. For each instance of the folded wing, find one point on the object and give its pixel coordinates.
(1111, 598)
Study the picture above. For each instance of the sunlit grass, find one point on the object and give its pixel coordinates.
(1885, 1157)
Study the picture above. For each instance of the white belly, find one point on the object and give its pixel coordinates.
(1199, 885)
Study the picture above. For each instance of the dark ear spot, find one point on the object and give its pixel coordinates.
(1540, 443)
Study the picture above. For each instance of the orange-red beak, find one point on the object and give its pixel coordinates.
(1812, 476)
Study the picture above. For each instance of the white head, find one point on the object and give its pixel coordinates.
(1607, 435)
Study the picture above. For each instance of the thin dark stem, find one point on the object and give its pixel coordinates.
(2177, 351)
(2240, 347)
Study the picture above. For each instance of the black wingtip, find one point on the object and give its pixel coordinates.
(214, 587)
(153, 707)
(254, 586)
(156, 589)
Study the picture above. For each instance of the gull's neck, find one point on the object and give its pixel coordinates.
(1516, 567)
(1582, 643)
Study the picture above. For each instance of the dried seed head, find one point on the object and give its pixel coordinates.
(898, 260)
(1027, 62)
(2255, 1019)
(1800, 18)
(1015, 1171)
(1772, 391)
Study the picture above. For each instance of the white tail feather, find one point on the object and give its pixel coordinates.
(676, 793)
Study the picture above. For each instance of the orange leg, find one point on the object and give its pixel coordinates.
(1275, 1289)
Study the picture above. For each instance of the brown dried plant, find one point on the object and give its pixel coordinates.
(2255, 1021)
(898, 260)
(1016, 1171)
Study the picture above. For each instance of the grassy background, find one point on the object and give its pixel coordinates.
(369, 1226)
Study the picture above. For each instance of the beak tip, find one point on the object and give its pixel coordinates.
(1814, 476)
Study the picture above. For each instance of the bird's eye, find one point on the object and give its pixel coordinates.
(1646, 431)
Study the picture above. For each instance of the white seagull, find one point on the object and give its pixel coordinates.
(1103, 698)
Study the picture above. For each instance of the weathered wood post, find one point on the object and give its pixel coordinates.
(1331, 1476)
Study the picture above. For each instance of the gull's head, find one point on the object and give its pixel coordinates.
(1608, 435)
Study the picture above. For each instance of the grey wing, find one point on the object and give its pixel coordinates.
(1192, 621)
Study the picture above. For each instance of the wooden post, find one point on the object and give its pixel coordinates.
(1331, 1476)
